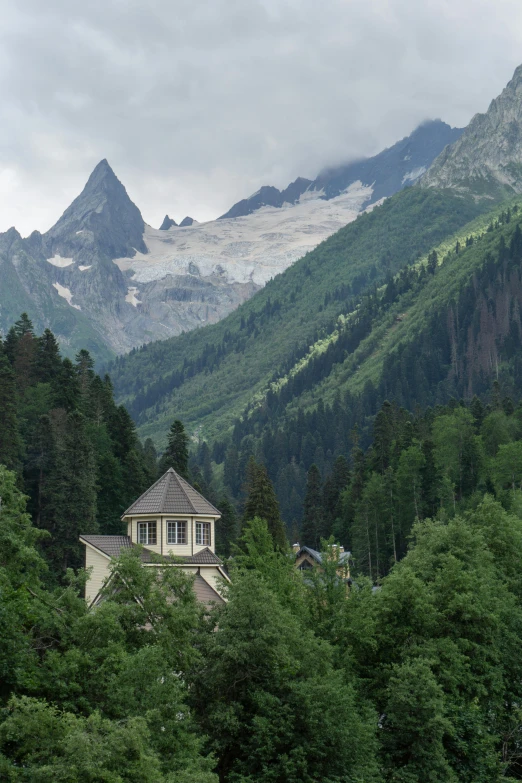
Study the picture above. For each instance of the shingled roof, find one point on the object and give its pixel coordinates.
(112, 546)
(171, 494)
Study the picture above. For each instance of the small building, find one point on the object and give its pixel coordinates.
(307, 558)
(172, 521)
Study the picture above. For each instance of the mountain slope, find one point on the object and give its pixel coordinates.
(487, 159)
(385, 173)
(208, 377)
(102, 274)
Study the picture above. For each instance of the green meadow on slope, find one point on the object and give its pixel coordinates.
(209, 376)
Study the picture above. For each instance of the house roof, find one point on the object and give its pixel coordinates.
(171, 494)
(112, 546)
(343, 558)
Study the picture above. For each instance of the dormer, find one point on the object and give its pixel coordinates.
(171, 517)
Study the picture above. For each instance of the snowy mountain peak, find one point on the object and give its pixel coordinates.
(389, 171)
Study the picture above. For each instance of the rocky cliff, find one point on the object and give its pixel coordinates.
(487, 159)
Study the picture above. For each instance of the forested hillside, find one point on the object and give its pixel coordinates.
(209, 376)
(75, 451)
(440, 330)
(409, 669)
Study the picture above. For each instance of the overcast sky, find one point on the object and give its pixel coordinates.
(196, 103)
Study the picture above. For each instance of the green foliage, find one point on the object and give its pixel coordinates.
(76, 453)
(276, 328)
(261, 502)
(271, 701)
(176, 453)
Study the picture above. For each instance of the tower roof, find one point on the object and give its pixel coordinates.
(171, 494)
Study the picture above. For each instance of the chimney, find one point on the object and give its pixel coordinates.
(296, 547)
(341, 550)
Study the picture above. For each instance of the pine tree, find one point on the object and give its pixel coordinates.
(261, 502)
(10, 444)
(176, 453)
(47, 359)
(226, 527)
(65, 386)
(313, 517)
(70, 493)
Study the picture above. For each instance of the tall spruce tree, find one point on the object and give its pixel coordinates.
(226, 527)
(176, 454)
(261, 502)
(10, 444)
(313, 518)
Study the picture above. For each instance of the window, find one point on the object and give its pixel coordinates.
(176, 532)
(202, 533)
(147, 533)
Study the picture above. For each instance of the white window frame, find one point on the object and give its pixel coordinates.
(146, 526)
(179, 529)
(201, 529)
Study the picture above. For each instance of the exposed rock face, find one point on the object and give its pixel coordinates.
(386, 173)
(67, 280)
(487, 159)
(393, 168)
(269, 196)
(102, 219)
(102, 279)
(167, 223)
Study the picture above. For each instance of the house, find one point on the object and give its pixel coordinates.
(307, 558)
(172, 521)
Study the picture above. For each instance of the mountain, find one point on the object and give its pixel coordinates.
(167, 223)
(101, 277)
(268, 196)
(487, 159)
(212, 376)
(70, 277)
(385, 173)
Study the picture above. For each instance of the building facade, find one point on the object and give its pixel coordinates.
(173, 524)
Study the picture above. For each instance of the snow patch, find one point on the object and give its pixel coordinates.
(248, 249)
(310, 195)
(65, 293)
(60, 262)
(413, 175)
(131, 297)
(84, 268)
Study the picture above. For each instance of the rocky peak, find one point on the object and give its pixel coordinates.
(187, 221)
(8, 238)
(487, 159)
(167, 223)
(102, 215)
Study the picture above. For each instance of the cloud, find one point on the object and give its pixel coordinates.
(196, 103)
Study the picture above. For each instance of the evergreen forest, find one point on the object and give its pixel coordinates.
(391, 428)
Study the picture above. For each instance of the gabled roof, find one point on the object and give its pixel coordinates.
(171, 494)
(344, 557)
(112, 546)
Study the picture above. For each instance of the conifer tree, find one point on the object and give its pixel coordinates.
(176, 453)
(70, 493)
(47, 359)
(261, 502)
(226, 527)
(10, 444)
(313, 518)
